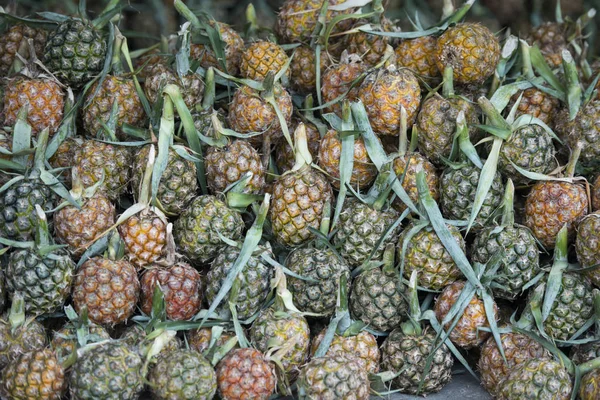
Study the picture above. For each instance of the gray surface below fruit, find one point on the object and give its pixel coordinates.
(462, 387)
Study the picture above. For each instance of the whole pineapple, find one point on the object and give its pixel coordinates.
(114, 89)
(583, 132)
(183, 374)
(111, 370)
(37, 374)
(262, 57)
(303, 69)
(341, 81)
(245, 374)
(19, 335)
(405, 167)
(471, 50)
(326, 269)
(586, 245)
(550, 205)
(466, 333)
(330, 151)
(407, 353)
(181, 286)
(108, 288)
(518, 348)
(197, 230)
(14, 39)
(75, 52)
(537, 378)
(254, 280)
(458, 187)
(145, 237)
(43, 98)
(418, 55)
(333, 377)
(426, 254)
(362, 348)
(384, 92)
(96, 160)
(249, 112)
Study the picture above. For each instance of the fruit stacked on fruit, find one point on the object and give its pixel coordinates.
(337, 205)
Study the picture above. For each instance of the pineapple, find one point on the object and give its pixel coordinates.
(14, 41)
(537, 378)
(362, 348)
(245, 374)
(64, 156)
(36, 374)
(551, 38)
(183, 374)
(262, 57)
(181, 286)
(333, 377)
(418, 55)
(341, 81)
(19, 335)
(233, 46)
(160, 74)
(66, 341)
(586, 245)
(284, 153)
(582, 132)
(303, 69)
(200, 339)
(43, 278)
(371, 47)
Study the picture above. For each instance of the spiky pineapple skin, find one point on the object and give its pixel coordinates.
(537, 379)
(233, 47)
(303, 69)
(196, 230)
(520, 261)
(75, 52)
(530, 148)
(371, 47)
(362, 348)
(182, 290)
(28, 337)
(12, 40)
(338, 79)
(536, 103)
(249, 113)
(360, 229)
(114, 89)
(109, 289)
(406, 167)
(333, 377)
(17, 208)
(37, 374)
(159, 75)
(111, 370)
(298, 202)
(79, 228)
(551, 40)
(437, 126)
(408, 355)
(583, 131)
(297, 19)
(552, 204)
(377, 299)
(227, 165)
(254, 281)
(273, 328)
(587, 245)
(44, 99)
(245, 374)
(596, 194)
(64, 341)
(145, 237)
(571, 309)
(64, 156)
(326, 269)
(330, 152)
(471, 50)
(262, 57)
(518, 348)
(183, 374)
(97, 158)
(458, 187)
(418, 55)
(590, 386)
(384, 93)
(426, 254)
(466, 333)
(45, 282)
(178, 183)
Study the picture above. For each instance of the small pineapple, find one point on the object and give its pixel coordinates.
(362, 348)
(145, 236)
(160, 74)
(342, 80)
(245, 374)
(303, 68)
(333, 377)
(586, 245)
(537, 378)
(262, 57)
(418, 55)
(36, 374)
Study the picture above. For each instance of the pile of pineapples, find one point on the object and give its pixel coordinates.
(329, 208)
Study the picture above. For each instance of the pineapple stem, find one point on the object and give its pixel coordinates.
(42, 237)
(493, 115)
(388, 258)
(570, 170)
(508, 216)
(403, 143)
(17, 311)
(303, 156)
(146, 180)
(326, 221)
(209, 92)
(526, 59)
(116, 64)
(589, 366)
(379, 193)
(448, 86)
(40, 153)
